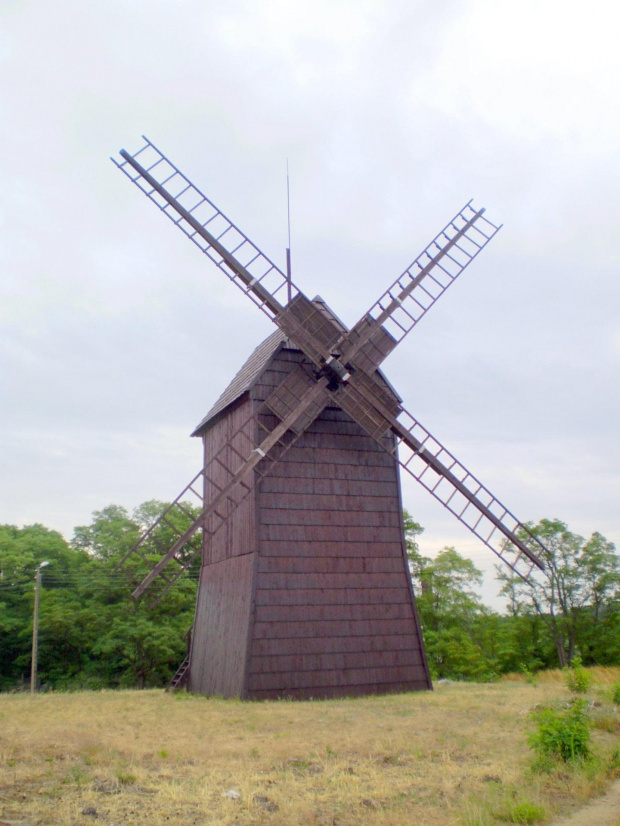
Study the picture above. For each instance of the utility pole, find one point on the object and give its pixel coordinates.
(35, 630)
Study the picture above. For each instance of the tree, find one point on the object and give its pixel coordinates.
(111, 533)
(449, 608)
(142, 642)
(21, 551)
(448, 597)
(575, 592)
(91, 632)
(417, 562)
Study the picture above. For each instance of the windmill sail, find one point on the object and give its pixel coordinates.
(207, 227)
(448, 480)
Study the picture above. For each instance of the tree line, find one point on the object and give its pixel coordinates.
(571, 609)
(93, 635)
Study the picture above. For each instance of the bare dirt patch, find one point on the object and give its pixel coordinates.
(602, 812)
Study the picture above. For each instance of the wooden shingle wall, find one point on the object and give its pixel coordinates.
(333, 612)
(238, 535)
(306, 592)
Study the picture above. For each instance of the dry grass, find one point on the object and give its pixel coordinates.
(602, 676)
(454, 756)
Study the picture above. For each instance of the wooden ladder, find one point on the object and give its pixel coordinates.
(180, 678)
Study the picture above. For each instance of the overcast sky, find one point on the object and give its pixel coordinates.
(116, 335)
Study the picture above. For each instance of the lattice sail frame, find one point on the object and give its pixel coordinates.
(166, 186)
(387, 322)
(414, 292)
(485, 517)
(229, 476)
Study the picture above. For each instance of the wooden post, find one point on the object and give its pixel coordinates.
(35, 630)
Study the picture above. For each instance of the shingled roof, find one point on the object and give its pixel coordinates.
(257, 363)
(245, 378)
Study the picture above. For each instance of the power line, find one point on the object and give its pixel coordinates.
(93, 584)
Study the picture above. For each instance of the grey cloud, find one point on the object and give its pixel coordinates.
(115, 332)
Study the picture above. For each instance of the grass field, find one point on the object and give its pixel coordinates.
(457, 755)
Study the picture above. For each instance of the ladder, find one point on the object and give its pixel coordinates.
(180, 678)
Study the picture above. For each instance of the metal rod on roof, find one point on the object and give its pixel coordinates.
(288, 249)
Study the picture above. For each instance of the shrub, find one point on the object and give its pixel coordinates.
(578, 679)
(522, 812)
(561, 734)
(529, 675)
(615, 693)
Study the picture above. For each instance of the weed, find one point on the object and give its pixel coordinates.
(613, 766)
(561, 734)
(522, 812)
(162, 753)
(604, 675)
(606, 722)
(76, 775)
(615, 694)
(125, 778)
(578, 679)
(475, 818)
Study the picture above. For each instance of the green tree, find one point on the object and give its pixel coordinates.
(454, 654)
(448, 595)
(21, 551)
(91, 632)
(143, 641)
(110, 535)
(450, 610)
(576, 592)
(417, 562)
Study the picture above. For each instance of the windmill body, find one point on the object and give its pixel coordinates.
(304, 589)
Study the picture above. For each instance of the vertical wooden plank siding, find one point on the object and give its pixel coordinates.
(222, 619)
(219, 647)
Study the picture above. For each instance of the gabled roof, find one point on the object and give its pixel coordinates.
(258, 362)
(245, 378)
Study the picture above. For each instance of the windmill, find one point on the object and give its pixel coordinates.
(304, 589)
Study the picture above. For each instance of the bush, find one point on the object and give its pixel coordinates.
(578, 679)
(615, 693)
(530, 676)
(561, 734)
(522, 812)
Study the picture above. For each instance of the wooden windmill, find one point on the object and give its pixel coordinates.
(304, 588)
